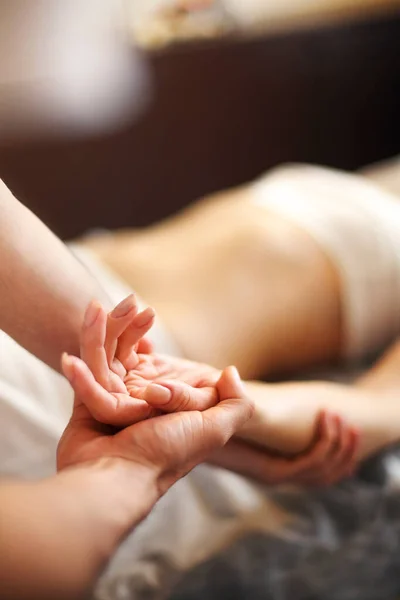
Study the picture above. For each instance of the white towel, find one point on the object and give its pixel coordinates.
(358, 226)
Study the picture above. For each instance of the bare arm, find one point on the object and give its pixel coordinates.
(44, 290)
(286, 414)
(57, 534)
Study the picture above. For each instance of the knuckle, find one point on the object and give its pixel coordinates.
(182, 399)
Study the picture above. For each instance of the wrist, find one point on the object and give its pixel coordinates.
(77, 519)
(114, 495)
(131, 486)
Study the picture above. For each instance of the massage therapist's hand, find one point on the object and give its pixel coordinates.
(111, 341)
(58, 533)
(134, 383)
(331, 457)
(165, 446)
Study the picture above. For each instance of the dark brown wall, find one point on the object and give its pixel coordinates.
(222, 113)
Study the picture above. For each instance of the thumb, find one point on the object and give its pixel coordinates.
(231, 413)
(230, 385)
(145, 346)
(179, 441)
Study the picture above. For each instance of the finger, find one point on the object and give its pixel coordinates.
(310, 467)
(118, 410)
(145, 346)
(252, 462)
(181, 440)
(92, 342)
(117, 322)
(340, 451)
(249, 461)
(328, 467)
(345, 460)
(327, 441)
(132, 335)
(177, 396)
(137, 387)
(297, 469)
(355, 453)
(231, 413)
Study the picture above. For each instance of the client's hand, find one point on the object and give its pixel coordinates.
(167, 445)
(133, 386)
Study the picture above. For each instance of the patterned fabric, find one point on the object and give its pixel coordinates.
(345, 546)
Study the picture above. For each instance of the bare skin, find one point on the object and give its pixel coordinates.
(286, 412)
(44, 289)
(58, 533)
(47, 320)
(285, 418)
(131, 386)
(236, 284)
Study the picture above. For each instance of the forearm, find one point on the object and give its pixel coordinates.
(44, 288)
(286, 414)
(57, 535)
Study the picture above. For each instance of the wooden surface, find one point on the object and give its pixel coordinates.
(222, 113)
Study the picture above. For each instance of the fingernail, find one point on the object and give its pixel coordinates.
(157, 394)
(234, 373)
(91, 314)
(144, 317)
(122, 309)
(67, 362)
(64, 357)
(237, 379)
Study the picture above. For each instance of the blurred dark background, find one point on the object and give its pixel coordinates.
(223, 111)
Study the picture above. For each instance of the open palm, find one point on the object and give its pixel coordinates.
(169, 445)
(136, 385)
(122, 384)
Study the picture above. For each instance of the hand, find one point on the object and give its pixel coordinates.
(331, 457)
(109, 343)
(135, 386)
(168, 445)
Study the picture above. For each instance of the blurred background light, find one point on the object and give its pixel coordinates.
(67, 66)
